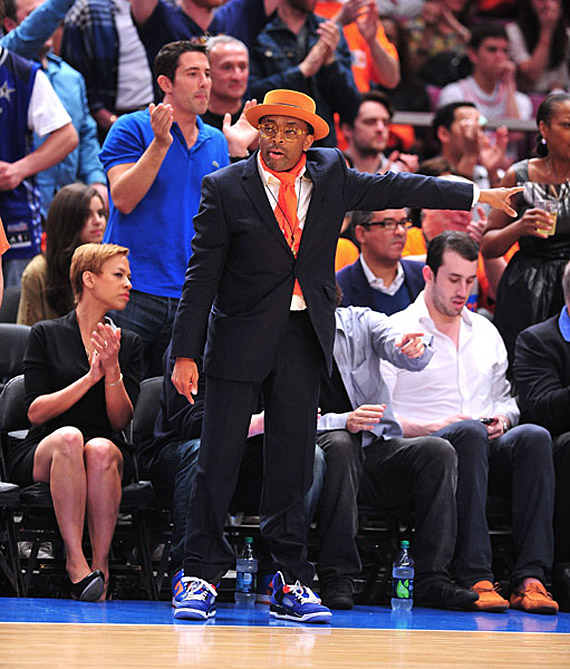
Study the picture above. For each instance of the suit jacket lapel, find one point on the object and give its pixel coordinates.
(315, 213)
(254, 188)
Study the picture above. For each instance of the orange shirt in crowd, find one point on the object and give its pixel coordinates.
(362, 67)
(346, 253)
(4, 246)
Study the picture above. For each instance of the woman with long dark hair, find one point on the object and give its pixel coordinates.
(77, 215)
(540, 45)
(530, 289)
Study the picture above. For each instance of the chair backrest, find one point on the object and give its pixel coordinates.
(146, 410)
(13, 416)
(13, 342)
(10, 304)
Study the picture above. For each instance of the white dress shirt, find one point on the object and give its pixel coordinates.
(304, 190)
(470, 379)
(377, 283)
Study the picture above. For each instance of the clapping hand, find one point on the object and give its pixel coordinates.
(241, 134)
(106, 342)
(161, 120)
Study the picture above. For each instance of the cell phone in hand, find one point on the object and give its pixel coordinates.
(486, 420)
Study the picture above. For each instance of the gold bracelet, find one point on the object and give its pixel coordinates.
(116, 382)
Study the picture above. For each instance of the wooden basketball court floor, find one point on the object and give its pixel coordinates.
(60, 633)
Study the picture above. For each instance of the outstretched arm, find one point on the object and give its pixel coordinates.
(27, 38)
(500, 198)
(142, 10)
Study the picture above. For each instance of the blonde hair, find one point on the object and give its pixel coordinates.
(91, 258)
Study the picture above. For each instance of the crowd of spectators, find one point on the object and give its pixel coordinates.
(100, 125)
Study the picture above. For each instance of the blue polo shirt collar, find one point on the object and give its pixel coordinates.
(564, 324)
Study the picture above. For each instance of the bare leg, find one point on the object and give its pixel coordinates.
(59, 461)
(104, 465)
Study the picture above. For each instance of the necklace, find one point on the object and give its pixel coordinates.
(558, 177)
(292, 228)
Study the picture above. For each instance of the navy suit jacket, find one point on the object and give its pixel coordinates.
(356, 290)
(541, 370)
(240, 277)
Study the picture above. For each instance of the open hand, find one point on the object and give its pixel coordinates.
(500, 198)
(241, 134)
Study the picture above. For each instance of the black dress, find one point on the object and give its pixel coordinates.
(55, 358)
(530, 290)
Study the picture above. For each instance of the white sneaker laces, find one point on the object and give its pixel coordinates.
(303, 593)
(196, 588)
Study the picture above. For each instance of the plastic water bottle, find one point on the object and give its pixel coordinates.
(403, 579)
(246, 575)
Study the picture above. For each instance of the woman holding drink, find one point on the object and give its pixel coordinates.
(530, 289)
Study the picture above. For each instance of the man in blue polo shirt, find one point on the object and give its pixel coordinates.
(155, 161)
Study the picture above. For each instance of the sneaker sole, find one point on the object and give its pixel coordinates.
(193, 614)
(284, 614)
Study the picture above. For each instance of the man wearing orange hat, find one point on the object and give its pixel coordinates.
(259, 300)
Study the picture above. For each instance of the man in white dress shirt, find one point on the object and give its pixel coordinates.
(464, 396)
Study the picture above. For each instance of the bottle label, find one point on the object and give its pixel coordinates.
(245, 582)
(403, 588)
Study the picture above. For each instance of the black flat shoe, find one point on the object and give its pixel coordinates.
(90, 588)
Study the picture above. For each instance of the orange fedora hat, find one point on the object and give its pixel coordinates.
(284, 102)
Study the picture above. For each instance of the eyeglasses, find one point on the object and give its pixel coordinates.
(391, 223)
(289, 133)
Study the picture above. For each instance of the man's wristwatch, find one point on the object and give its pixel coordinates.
(505, 425)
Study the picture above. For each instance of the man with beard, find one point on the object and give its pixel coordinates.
(302, 51)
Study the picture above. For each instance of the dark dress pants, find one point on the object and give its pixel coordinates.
(290, 399)
(338, 511)
(518, 466)
(562, 499)
(418, 474)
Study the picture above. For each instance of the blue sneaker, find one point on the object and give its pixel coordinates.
(264, 588)
(193, 598)
(296, 602)
(178, 588)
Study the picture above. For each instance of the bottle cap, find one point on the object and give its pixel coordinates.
(405, 543)
(249, 540)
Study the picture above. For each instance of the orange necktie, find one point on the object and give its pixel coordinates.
(286, 209)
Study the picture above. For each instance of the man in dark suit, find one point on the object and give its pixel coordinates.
(380, 279)
(541, 371)
(260, 295)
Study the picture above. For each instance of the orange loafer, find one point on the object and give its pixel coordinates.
(533, 598)
(489, 598)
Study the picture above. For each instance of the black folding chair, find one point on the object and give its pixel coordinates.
(38, 523)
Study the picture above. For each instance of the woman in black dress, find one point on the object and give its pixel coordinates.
(530, 289)
(82, 380)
